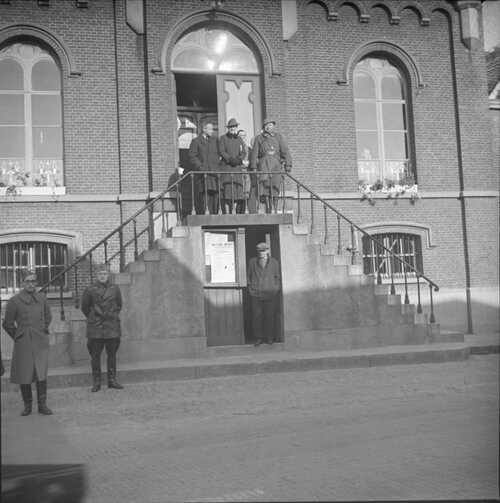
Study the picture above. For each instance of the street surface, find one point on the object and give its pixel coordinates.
(427, 431)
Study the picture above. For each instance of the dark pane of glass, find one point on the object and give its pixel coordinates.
(11, 75)
(392, 87)
(11, 141)
(42, 274)
(3, 278)
(47, 142)
(364, 86)
(394, 116)
(46, 110)
(45, 76)
(366, 115)
(11, 109)
(395, 145)
(367, 145)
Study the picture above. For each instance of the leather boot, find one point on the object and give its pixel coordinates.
(96, 382)
(27, 395)
(41, 390)
(112, 382)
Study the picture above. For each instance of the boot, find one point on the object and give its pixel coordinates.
(41, 390)
(27, 399)
(112, 382)
(96, 382)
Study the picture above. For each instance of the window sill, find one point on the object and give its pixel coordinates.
(33, 191)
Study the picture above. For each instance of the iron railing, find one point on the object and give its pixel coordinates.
(191, 198)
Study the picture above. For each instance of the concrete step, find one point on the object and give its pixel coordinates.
(257, 362)
(245, 349)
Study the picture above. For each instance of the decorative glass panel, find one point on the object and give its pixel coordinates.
(11, 109)
(11, 75)
(11, 141)
(366, 115)
(46, 110)
(208, 50)
(45, 76)
(364, 86)
(238, 103)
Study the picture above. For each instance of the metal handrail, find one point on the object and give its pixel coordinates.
(192, 174)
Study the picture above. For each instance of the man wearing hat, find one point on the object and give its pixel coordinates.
(101, 305)
(270, 153)
(232, 151)
(264, 284)
(27, 320)
(204, 156)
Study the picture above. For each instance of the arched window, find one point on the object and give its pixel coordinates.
(31, 146)
(382, 125)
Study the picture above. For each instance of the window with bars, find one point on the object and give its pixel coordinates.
(47, 259)
(407, 247)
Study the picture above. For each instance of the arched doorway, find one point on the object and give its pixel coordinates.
(217, 77)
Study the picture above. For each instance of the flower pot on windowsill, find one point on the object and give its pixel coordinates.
(28, 190)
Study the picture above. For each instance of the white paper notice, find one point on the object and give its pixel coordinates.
(223, 269)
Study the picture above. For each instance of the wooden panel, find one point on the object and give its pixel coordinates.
(224, 316)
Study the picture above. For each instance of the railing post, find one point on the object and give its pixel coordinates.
(61, 299)
(205, 177)
(312, 214)
(136, 251)
(325, 224)
(419, 305)
(271, 193)
(163, 225)
(283, 194)
(339, 237)
(432, 318)
(407, 298)
(219, 199)
(233, 206)
(298, 204)
(91, 268)
(122, 249)
(354, 245)
(151, 226)
(77, 300)
(257, 178)
(393, 288)
(105, 252)
(193, 201)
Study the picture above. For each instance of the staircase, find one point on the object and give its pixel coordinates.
(328, 303)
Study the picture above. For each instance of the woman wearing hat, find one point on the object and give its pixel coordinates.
(269, 153)
(232, 151)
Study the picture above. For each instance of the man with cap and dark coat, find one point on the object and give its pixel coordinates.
(101, 305)
(27, 320)
(264, 285)
(204, 156)
(232, 151)
(270, 153)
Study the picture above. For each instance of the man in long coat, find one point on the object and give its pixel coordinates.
(204, 156)
(232, 151)
(101, 305)
(27, 320)
(270, 153)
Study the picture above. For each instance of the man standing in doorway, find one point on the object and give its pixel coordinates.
(204, 156)
(101, 305)
(270, 153)
(27, 320)
(264, 285)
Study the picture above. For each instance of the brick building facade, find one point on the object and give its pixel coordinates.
(119, 120)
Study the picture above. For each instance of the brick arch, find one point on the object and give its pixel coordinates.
(422, 230)
(386, 8)
(418, 8)
(223, 19)
(389, 48)
(12, 33)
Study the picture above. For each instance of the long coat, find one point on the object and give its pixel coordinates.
(101, 305)
(204, 156)
(232, 151)
(27, 320)
(268, 153)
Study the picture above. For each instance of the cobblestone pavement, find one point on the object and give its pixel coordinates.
(427, 431)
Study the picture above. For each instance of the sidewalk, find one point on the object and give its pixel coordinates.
(273, 359)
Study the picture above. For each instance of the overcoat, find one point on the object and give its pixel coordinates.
(268, 153)
(27, 320)
(232, 151)
(101, 305)
(204, 156)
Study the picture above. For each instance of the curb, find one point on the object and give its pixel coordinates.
(454, 352)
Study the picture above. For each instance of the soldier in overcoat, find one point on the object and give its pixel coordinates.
(204, 156)
(270, 153)
(233, 152)
(101, 305)
(27, 320)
